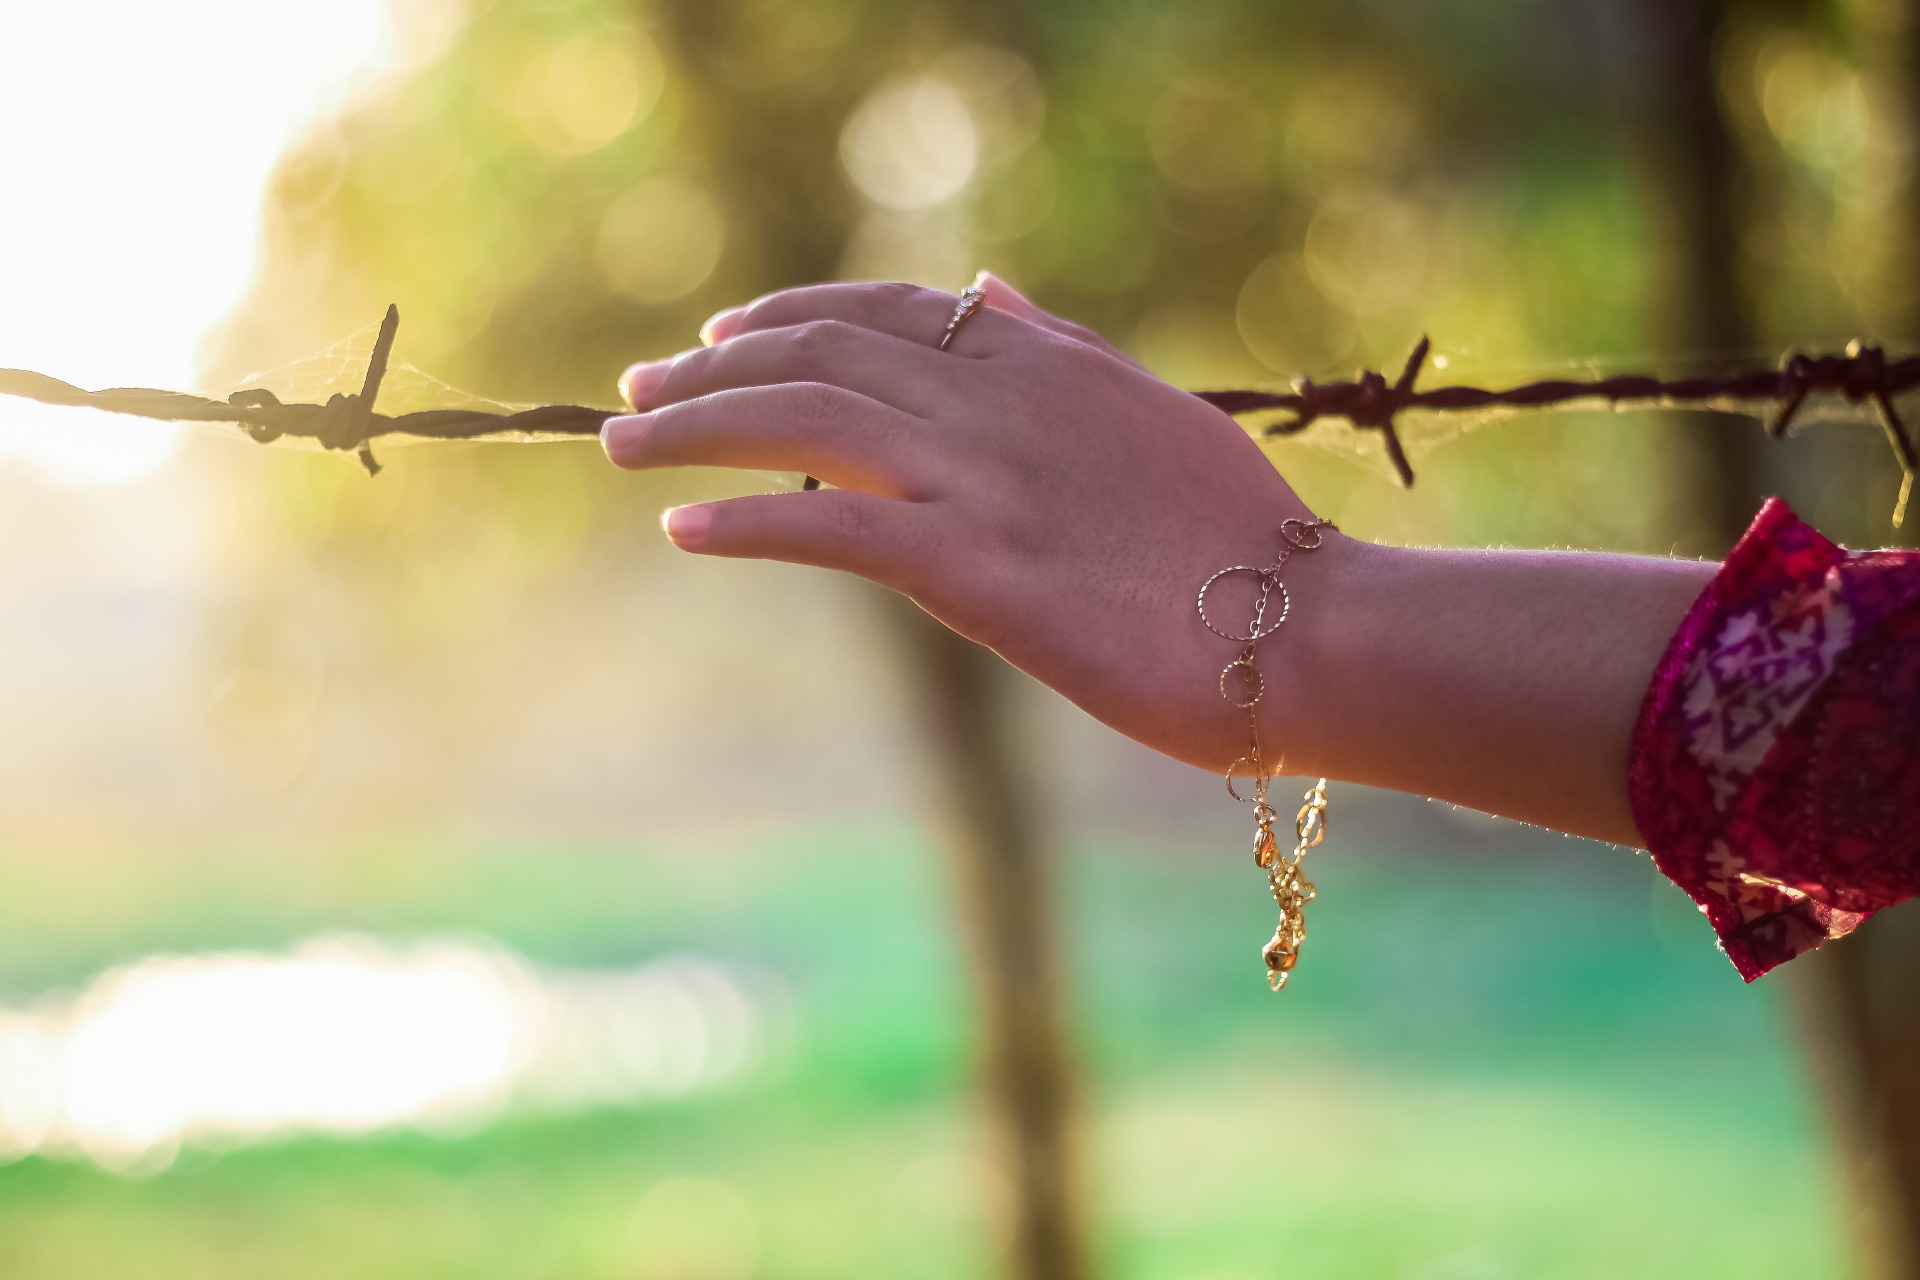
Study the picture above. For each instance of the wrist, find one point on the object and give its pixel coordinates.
(1309, 664)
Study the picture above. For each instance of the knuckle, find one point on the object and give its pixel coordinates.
(1080, 333)
(813, 408)
(688, 369)
(1049, 354)
(665, 427)
(817, 337)
(1084, 358)
(673, 434)
(744, 522)
(888, 431)
(751, 317)
(891, 294)
(852, 522)
(760, 310)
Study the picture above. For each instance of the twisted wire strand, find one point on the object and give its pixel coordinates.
(347, 423)
(1368, 402)
(1862, 374)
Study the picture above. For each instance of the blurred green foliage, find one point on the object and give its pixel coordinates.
(1467, 1085)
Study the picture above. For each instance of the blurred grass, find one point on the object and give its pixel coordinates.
(1529, 1064)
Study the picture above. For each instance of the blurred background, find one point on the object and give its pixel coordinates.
(435, 875)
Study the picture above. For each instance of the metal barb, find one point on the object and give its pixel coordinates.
(346, 423)
(1862, 373)
(361, 406)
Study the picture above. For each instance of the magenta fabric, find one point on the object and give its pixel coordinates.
(1775, 767)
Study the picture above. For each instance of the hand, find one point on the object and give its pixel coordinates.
(1031, 487)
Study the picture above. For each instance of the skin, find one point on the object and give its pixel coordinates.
(1046, 496)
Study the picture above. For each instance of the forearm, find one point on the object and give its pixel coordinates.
(1507, 681)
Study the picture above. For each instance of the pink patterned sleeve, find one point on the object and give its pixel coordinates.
(1775, 768)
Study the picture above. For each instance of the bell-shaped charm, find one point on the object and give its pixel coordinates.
(1280, 955)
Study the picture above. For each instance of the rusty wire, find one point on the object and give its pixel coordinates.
(348, 423)
(345, 422)
(1863, 374)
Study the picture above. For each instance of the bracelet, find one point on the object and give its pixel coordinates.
(1242, 685)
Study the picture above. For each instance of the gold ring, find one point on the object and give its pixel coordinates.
(970, 301)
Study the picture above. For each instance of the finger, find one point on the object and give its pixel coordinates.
(902, 374)
(878, 538)
(1004, 297)
(839, 435)
(904, 311)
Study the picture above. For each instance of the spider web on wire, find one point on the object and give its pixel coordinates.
(340, 367)
(344, 421)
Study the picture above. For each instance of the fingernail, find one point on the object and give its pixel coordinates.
(1002, 291)
(622, 437)
(643, 379)
(687, 526)
(719, 325)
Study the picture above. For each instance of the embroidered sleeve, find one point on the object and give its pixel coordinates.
(1775, 769)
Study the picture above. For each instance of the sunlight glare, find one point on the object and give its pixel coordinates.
(142, 140)
(347, 1035)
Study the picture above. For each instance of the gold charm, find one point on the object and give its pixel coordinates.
(1292, 891)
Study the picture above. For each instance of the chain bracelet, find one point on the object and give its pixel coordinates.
(1242, 686)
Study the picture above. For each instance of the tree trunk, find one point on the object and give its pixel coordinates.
(1690, 173)
(1003, 887)
(1856, 1007)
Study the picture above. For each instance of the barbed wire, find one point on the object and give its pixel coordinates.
(346, 423)
(1368, 402)
(1862, 374)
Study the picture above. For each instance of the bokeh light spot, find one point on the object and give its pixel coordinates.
(660, 240)
(1284, 324)
(1366, 251)
(588, 90)
(912, 144)
(1002, 93)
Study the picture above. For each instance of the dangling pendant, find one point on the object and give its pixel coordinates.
(1291, 890)
(1291, 894)
(1281, 954)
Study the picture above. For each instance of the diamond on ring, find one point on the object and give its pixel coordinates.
(970, 301)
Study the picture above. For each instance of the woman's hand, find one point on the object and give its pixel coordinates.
(1041, 493)
(1031, 487)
